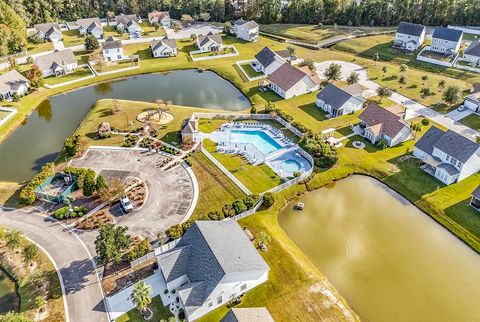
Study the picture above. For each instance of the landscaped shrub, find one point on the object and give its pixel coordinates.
(130, 141)
(250, 201)
(268, 199)
(324, 155)
(27, 195)
(146, 142)
(89, 183)
(300, 127)
(239, 206)
(189, 162)
(63, 213)
(174, 232)
(139, 250)
(101, 183)
(425, 122)
(228, 211)
(80, 174)
(187, 225)
(216, 215)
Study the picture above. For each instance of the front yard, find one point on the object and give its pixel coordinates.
(77, 74)
(472, 121)
(160, 312)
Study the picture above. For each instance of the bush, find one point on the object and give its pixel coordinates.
(139, 250)
(61, 213)
(239, 206)
(250, 201)
(189, 162)
(228, 211)
(70, 144)
(101, 183)
(216, 215)
(425, 122)
(27, 195)
(187, 225)
(268, 199)
(89, 183)
(325, 155)
(174, 232)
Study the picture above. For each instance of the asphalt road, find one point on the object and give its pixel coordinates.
(82, 289)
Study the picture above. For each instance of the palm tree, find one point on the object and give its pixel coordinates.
(263, 240)
(141, 296)
(383, 92)
(416, 127)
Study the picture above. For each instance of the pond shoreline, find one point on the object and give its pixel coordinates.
(18, 296)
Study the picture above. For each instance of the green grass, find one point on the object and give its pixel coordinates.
(225, 51)
(78, 73)
(315, 33)
(250, 71)
(472, 121)
(112, 31)
(72, 38)
(114, 66)
(256, 178)
(151, 31)
(159, 312)
(216, 189)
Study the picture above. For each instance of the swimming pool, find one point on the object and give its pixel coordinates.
(291, 166)
(261, 140)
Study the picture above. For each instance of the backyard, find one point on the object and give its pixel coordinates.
(248, 69)
(80, 72)
(216, 54)
(108, 67)
(160, 312)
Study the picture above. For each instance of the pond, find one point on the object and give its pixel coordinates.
(41, 137)
(9, 300)
(388, 259)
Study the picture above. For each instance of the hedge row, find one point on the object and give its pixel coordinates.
(63, 213)
(87, 180)
(228, 210)
(27, 195)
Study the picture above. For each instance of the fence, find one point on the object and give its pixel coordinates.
(194, 52)
(250, 79)
(465, 67)
(157, 251)
(248, 212)
(11, 113)
(432, 60)
(474, 30)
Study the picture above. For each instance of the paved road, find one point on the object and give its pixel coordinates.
(82, 289)
(414, 108)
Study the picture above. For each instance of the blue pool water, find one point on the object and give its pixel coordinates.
(261, 140)
(291, 166)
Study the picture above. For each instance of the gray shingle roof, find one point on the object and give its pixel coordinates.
(158, 15)
(110, 43)
(124, 19)
(447, 34)
(248, 24)
(215, 248)
(451, 170)
(62, 57)
(216, 38)
(155, 44)
(248, 314)
(89, 23)
(45, 27)
(450, 142)
(476, 192)
(266, 56)
(11, 80)
(391, 123)
(409, 28)
(334, 96)
(286, 76)
(474, 48)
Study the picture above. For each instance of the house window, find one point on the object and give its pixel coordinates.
(106, 51)
(119, 57)
(219, 300)
(210, 304)
(243, 287)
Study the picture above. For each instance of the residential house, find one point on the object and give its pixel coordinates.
(446, 41)
(472, 53)
(475, 200)
(90, 26)
(289, 81)
(268, 61)
(189, 130)
(58, 63)
(13, 83)
(210, 42)
(130, 25)
(164, 47)
(161, 18)
(246, 30)
(112, 50)
(378, 123)
(409, 36)
(338, 101)
(448, 156)
(472, 101)
(247, 314)
(213, 263)
(49, 31)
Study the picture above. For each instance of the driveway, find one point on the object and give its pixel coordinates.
(82, 289)
(414, 109)
(195, 29)
(170, 193)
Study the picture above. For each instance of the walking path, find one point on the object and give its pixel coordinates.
(414, 109)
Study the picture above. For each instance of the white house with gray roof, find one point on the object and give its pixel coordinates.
(130, 25)
(472, 53)
(58, 63)
(447, 156)
(409, 36)
(90, 26)
(246, 30)
(446, 41)
(112, 50)
(49, 31)
(164, 47)
(213, 263)
(160, 17)
(268, 61)
(210, 42)
(338, 101)
(289, 81)
(13, 83)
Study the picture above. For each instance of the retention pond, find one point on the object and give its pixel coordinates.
(387, 258)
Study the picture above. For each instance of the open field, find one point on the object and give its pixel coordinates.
(315, 33)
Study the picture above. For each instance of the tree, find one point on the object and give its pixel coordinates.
(186, 19)
(426, 91)
(353, 78)
(239, 206)
(384, 69)
(141, 296)
(101, 183)
(416, 127)
(205, 16)
(382, 144)
(116, 107)
(333, 72)
(268, 199)
(291, 50)
(89, 183)
(403, 68)
(111, 242)
(34, 75)
(263, 239)
(383, 92)
(12, 63)
(98, 58)
(402, 80)
(307, 62)
(139, 250)
(424, 79)
(228, 210)
(15, 317)
(113, 191)
(30, 253)
(29, 60)
(441, 84)
(451, 95)
(91, 43)
(14, 239)
(227, 28)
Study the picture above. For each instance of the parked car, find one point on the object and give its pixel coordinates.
(461, 108)
(126, 204)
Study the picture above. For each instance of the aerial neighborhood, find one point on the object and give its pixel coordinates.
(239, 161)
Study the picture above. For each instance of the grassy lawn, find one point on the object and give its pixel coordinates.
(114, 66)
(72, 38)
(38, 48)
(256, 178)
(225, 51)
(248, 69)
(472, 121)
(151, 31)
(112, 31)
(315, 33)
(3, 114)
(78, 73)
(437, 56)
(216, 189)
(159, 312)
